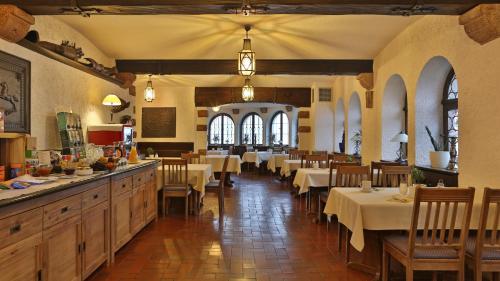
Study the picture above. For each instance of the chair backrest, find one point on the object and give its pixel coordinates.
(342, 158)
(351, 176)
(376, 171)
(202, 151)
(192, 158)
(222, 177)
(297, 154)
(319, 152)
(392, 176)
(175, 172)
(335, 166)
(487, 233)
(446, 214)
(308, 161)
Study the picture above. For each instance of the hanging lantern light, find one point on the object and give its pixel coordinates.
(247, 91)
(246, 57)
(216, 108)
(149, 92)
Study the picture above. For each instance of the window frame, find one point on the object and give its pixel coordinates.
(253, 139)
(448, 104)
(279, 114)
(221, 130)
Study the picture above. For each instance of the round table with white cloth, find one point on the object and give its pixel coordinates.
(198, 176)
(289, 166)
(313, 177)
(217, 152)
(276, 161)
(217, 162)
(256, 157)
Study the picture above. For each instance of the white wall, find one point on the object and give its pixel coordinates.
(57, 87)
(393, 117)
(354, 122)
(339, 123)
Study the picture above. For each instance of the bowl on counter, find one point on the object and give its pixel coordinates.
(84, 171)
(43, 170)
(69, 171)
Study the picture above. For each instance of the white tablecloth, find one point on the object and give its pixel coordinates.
(217, 161)
(289, 166)
(276, 161)
(376, 211)
(310, 177)
(217, 152)
(198, 176)
(256, 157)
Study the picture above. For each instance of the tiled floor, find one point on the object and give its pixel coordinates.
(266, 236)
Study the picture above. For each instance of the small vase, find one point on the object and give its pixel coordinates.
(439, 159)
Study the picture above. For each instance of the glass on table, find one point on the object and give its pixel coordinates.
(440, 183)
(403, 188)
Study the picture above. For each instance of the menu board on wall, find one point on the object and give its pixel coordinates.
(158, 122)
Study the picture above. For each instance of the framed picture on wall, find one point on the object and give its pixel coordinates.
(158, 122)
(15, 93)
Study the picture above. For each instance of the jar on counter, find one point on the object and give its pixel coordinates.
(16, 170)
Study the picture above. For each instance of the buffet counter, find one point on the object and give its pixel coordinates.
(66, 229)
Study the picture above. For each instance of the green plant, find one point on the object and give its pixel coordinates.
(356, 139)
(417, 175)
(350, 158)
(438, 145)
(150, 151)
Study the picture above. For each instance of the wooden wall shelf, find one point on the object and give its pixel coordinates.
(37, 49)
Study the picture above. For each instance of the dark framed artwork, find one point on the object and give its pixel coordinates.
(15, 92)
(158, 122)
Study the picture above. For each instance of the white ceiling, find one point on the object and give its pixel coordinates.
(220, 36)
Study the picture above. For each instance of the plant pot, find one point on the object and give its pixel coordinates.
(439, 159)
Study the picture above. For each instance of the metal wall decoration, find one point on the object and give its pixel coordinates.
(15, 78)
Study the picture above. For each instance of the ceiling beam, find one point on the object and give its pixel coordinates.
(320, 7)
(229, 67)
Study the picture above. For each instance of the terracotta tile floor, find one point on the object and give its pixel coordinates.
(265, 236)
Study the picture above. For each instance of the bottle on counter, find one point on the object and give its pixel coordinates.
(133, 157)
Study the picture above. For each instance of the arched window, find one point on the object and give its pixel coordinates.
(280, 129)
(450, 106)
(252, 129)
(221, 130)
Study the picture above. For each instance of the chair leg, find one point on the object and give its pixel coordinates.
(347, 246)
(385, 265)
(186, 207)
(409, 274)
(461, 274)
(339, 237)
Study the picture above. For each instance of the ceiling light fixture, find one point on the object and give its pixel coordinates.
(246, 9)
(246, 57)
(216, 108)
(149, 92)
(247, 91)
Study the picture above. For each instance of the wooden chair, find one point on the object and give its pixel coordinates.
(308, 161)
(392, 176)
(483, 250)
(294, 154)
(341, 158)
(192, 158)
(348, 176)
(217, 186)
(376, 171)
(440, 246)
(319, 152)
(175, 182)
(202, 152)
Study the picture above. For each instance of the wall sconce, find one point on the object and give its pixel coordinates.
(111, 100)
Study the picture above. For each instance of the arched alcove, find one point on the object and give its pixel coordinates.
(339, 124)
(354, 121)
(428, 106)
(324, 127)
(394, 115)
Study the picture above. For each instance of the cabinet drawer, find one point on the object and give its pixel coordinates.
(61, 210)
(139, 179)
(94, 196)
(150, 175)
(121, 186)
(18, 227)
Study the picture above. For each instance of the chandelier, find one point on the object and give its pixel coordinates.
(246, 57)
(247, 91)
(149, 92)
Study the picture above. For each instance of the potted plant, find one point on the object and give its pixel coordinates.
(246, 138)
(150, 151)
(216, 138)
(356, 140)
(440, 157)
(417, 175)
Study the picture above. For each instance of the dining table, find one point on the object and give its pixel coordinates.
(217, 152)
(256, 157)
(307, 178)
(199, 175)
(289, 166)
(276, 161)
(233, 166)
(370, 215)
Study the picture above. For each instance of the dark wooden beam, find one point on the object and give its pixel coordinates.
(214, 96)
(229, 67)
(323, 7)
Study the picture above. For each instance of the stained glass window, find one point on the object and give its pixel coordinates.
(450, 106)
(221, 130)
(252, 129)
(280, 129)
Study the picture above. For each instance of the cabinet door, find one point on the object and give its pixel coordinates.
(137, 218)
(62, 251)
(22, 260)
(150, 201)
(94, 238)
(120, 217)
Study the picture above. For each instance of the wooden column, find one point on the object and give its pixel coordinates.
(482, 23)
(14, 23)
(366, 81)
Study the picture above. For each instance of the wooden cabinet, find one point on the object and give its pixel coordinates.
(62, 251)
(94, 238)
(150, 201)
(137, 219)
(22, 261)
(121, 214)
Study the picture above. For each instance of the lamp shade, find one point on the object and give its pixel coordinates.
(247, 91)
(401, 138)
(246, 59)
(111, 100)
